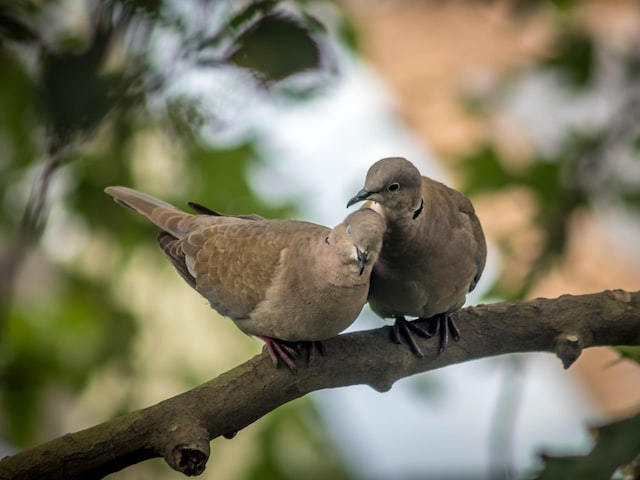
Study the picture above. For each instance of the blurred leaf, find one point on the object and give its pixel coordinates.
(628, 353)
(574, 58)
(563, 4)
(185, 117)
(348, 34)
(115, 87)
(429, 389)
(312, 24)
(555, 205)
(60, 341)
(294, 445)
(18, 113)
(76, 93)
(544, 178)
(554, 181)
(222, 180)
(527, 7)
(617, 444)
(150, 8)
(14, 23)
(252, 12)
(240, 22)
(484, 170)
(275, 48)
(631, 198)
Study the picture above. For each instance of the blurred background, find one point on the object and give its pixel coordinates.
(532, 108)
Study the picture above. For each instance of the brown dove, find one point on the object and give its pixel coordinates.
(286, 282)
(433, 250)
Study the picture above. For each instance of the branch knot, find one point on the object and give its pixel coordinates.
(568, 347)
(186, 448)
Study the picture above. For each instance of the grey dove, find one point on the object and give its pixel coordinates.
(284, 281)
(433, 251)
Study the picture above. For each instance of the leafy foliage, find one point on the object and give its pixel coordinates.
(574, 58)
(14, 23)
(59, 341)
(292, 442)
(588, 165)
(259, 49)
(628, 353)
(582, 168)
(74, 108)
(617, 444)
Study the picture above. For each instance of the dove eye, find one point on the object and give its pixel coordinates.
(349, 230)
(326, 240)
(393, 187)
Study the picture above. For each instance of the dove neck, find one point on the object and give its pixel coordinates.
(404, 229)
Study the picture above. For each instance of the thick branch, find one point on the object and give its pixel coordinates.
(179, 429)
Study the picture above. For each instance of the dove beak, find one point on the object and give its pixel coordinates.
(362, 259)
(361, 195)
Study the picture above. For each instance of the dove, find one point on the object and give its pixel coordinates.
(433, 252)
(286, 282)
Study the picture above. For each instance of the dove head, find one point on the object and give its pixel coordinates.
(360, 238)
(393, 182)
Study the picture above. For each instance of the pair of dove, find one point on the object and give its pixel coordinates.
(415, 249)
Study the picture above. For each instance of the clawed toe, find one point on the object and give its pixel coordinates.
(405, 329)
(286, 351)
(280, 350)
(444, 324)
(313, 347)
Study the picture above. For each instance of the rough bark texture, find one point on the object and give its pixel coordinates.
(179, 429)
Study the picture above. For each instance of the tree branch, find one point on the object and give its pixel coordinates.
(179, 429)
(31, 227)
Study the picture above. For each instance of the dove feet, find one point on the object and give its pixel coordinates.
(444, 324)
(405, 329)
(285, 351)
(280, 350)
(312, 348)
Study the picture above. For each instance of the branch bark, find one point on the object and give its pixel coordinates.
(179, 429)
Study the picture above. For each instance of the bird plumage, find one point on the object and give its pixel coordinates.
(433, 250)
(287, 280)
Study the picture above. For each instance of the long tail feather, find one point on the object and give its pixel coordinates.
(162, 214)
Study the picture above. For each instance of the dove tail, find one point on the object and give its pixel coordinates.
(162, 214)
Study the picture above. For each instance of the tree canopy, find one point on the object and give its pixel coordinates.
(84, 89)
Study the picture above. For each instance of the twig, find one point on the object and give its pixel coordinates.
(31, 226)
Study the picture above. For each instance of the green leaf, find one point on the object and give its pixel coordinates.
(75, 92)
(484, 170)
(294, 444)
(150, 8)
(574, 58)
(18, 114)
(14, 25)
(275, 48)
(60, 340)
(628, 353)
(229, 191)
(617, 445)
(249, 14)
(348, 34)
(563, 4)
